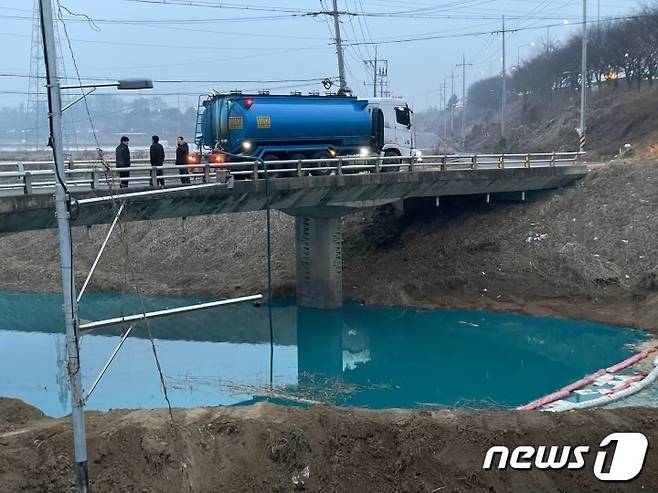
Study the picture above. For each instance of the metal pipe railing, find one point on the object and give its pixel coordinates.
(90, 175)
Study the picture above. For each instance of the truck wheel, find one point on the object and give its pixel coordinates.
(321, 155)
(271, 168)
(390, 162)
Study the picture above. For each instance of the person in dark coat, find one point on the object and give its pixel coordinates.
(123, 161)
(157, 157)
(181, 159)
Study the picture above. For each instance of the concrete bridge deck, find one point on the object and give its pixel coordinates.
(319, 196)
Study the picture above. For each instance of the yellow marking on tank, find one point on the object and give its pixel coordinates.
(235, 123)
(264, 122)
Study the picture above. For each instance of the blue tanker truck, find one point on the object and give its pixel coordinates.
(238, 126)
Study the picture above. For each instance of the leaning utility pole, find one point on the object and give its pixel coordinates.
(583, 83)
(339, 51)
(504, 90)
(62, 212)
(463, 65)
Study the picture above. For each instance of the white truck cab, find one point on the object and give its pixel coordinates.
(398, 136)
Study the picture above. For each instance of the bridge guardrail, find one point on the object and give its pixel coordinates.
(91, 175)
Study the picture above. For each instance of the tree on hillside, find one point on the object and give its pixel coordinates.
(624, 49)
(485, 93)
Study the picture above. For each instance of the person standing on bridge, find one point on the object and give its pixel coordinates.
(182, 152)
(157, 157)
(123, 161)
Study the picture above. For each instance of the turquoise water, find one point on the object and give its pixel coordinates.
(359, 356)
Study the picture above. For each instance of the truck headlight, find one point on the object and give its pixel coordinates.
(246, 145)
(364, 151)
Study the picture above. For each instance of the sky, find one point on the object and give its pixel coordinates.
(285, 45)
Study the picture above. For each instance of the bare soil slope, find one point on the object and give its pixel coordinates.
(588, 251)
(324, 449)
(614, 118)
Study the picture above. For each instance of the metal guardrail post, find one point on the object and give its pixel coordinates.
(94, 180)
(474, 162)
(339, 166)
(154, 177)
(27, 183)
(501, 161)
(378, 164)
(299, 168)
(411, 164)
(255, 171)
(552, 160)
(526, 161)
(206, 173)
(444, 159)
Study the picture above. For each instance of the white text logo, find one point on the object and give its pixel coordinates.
(628, 453)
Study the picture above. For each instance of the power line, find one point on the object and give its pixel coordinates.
(484, 33)
(189, 81)
(421, 13)
(168, 46)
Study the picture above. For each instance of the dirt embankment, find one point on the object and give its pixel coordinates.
(587, 252)
(615, 117)
(323, 449)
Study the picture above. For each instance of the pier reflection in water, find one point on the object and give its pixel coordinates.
(359, 356)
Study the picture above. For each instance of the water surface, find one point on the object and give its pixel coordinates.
(373, 357)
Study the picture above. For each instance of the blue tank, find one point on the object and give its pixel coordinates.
(278, 126)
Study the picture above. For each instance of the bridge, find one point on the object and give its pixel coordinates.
(316, 192)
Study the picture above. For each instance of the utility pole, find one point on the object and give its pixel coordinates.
(62, 208)
(339, 51)
(452, 103)
(502, 113)
(463, 65)
(380, 73)
(444, 89)
(583, 83)
(374, 75)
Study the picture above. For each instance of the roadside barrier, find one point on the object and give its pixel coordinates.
(28, 177)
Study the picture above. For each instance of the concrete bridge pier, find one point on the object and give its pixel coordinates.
(319, 247)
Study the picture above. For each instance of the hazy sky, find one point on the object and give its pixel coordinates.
(164, 41)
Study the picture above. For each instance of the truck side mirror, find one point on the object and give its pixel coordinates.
(403, 116)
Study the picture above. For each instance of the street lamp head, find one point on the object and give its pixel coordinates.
(135, 84)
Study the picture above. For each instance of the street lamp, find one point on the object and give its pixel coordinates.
(122, 85)
(518, 52)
